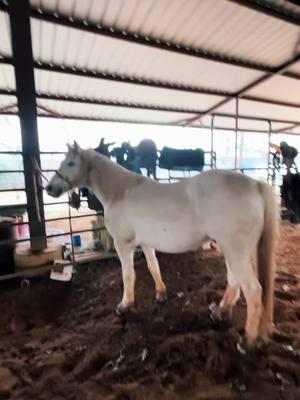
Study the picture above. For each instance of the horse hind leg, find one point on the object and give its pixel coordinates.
(153, 266)
(223, 312)
(231, 295)
(245, 275)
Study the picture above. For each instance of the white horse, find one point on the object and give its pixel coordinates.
(240, 213)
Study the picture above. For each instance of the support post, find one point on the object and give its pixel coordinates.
(212, 144)
(271, 167)
(236, 132)
(19, 14)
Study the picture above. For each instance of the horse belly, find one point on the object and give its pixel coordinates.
(176, 237)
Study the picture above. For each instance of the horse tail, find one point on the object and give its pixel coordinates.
(266, 254)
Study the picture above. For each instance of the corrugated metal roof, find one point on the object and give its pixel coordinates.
(213, 25)
(279, 88)
(109, 113)
(53, 44)
(7, 77)
(296, 68)
(260, 110)
(216, 25)
(5, 42)
(8, 103)
(81, 87)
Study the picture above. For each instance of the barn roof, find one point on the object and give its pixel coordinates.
(162, 61)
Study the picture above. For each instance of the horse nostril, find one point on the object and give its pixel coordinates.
(49, 188)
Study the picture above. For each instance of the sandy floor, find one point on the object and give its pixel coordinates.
(65, 342)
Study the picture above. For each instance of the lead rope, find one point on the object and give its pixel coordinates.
(38, 172)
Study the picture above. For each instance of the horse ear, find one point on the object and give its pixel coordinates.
(76, 147)
(69, 147)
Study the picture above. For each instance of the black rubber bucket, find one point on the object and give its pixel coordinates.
(7, 233)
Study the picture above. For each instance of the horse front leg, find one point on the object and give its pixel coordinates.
(125, 253)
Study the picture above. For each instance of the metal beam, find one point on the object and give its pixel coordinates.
(126, 79)
(241, 92)
(143, 122)
(137, 38)
(6, 60)
(272, 101)
(157, 43)
(100, 102)
(271, 9)
(236, 129)
(152, 106)
(282, 130)
(160, 108)
(19, 13)
(258, 119)
(139, 81)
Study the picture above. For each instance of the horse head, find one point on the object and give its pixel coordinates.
(71, 173)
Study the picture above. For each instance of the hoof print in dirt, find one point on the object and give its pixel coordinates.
(219, 317)
(161, 297)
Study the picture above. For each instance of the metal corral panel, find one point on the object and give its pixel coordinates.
(215, 25)
(244, 124)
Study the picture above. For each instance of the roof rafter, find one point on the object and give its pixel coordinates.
(138, 38)
(241, 92)
(158, 43)
(149, 107)
(272, 10)
(144, 122)
(160, 85)
(153, 106)
(127, 79)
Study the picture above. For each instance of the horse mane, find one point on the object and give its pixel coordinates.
(112, 179)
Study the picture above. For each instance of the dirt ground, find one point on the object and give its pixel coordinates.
(61, 341)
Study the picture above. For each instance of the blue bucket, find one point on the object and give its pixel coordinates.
(77, 241)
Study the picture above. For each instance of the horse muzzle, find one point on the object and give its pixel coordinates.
(54, 190)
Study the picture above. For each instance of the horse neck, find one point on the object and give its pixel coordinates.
(108, 180)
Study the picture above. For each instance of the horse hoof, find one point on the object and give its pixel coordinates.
(161, 297)
(244, 346)
(122, 309)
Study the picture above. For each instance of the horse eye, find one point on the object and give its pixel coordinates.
(71, 164)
